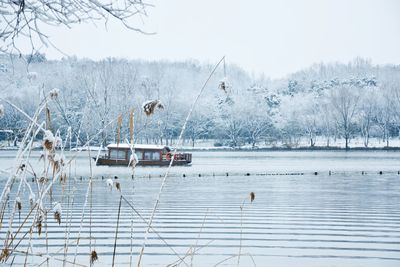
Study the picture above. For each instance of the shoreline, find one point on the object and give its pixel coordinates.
(256, 149)
(310, 149)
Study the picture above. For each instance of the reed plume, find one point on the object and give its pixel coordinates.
(54, 93)
(57, 212)
(19, 204)
(5, 253)
(39, 224)
(252, 196)
(93, 256)
(150, 106)
(49, 141)
(118, 186)
(48, 118)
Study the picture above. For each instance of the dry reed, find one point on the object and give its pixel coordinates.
(54, 93)
(2, 112)
(172, 160)
(119, 124)
(93, 256)
(252, 196)
(44, 183)
(116, 231)
(131, 125)
(150, 106)
(223, 86)
(19, 204)
(39, 226)
(5, 253)
(57, 212)
(118, 186)
(48, 119)
(57, 217)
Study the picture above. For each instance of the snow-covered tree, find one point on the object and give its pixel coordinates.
(345, 101)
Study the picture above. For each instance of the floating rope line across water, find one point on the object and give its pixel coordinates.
(241, 174)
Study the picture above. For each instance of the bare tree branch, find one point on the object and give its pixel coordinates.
(26, 18)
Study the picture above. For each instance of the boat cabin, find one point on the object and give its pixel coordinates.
(157, 155)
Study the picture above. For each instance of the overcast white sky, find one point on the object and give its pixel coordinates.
(272, 37)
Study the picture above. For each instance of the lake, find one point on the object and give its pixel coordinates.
(341, 218)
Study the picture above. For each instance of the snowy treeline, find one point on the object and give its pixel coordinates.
(332, 101)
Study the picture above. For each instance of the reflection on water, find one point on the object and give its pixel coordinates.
(338, 220)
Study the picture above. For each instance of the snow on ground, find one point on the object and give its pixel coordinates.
(302, 143)
(209, 144)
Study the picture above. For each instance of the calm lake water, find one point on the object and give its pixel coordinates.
(343, 219)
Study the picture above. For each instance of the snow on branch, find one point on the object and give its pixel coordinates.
(22, 18)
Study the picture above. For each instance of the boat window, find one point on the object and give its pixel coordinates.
(150, 155)
(117, 154)
(147, 155)
(138, 153)
(156, 156)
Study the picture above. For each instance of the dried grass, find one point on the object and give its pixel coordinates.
(19, 204)
(22, 167)
(146, 233)
(48, 144)
(119, 124)
(43, 180)
(5, 253)
(131, 125)
(32, 198)
(2, 112)
(252, 196)
(63, 178)
(49, 141)
(223, 86)
(150, 106)
(39, 224)
(48, 118)
(93, 257)
(118, 186)
(57, 217)
(54, 93)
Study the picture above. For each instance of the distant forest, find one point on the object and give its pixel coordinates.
(326, 101)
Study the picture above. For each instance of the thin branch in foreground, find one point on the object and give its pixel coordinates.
(172, 159)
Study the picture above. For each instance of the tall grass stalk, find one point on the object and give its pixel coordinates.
(82, 217)
(152, 229)
(172, 160)
(116, 231)
(193, 249)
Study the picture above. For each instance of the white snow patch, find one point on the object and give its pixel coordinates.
(54, 93)
(48, 136)
(32, 198)
(133, 160)
(57, 208)
(109, 183)
(136, 146)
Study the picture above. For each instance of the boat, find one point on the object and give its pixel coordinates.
(147, 155)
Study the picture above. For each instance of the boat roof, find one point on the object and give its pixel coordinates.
(136, 146)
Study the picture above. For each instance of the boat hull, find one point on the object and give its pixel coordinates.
(119, 162)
